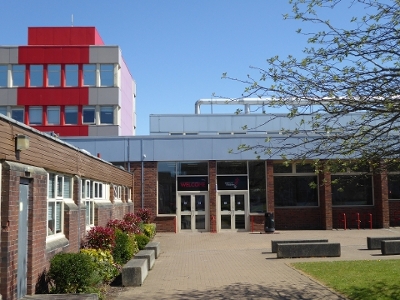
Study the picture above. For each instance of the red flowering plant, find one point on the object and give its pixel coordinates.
(144, 214)
(124, 226)
(100, 238)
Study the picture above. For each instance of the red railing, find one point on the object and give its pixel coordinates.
(342, 218)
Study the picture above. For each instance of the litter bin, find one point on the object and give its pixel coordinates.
(269, 223)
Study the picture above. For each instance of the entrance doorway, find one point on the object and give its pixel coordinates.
(233, 211)
(193, 212)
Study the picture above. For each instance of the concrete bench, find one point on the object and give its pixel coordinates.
(374, 243)
(274, 244)
(154, 246)
(291, 250)
(390, 247)
(148, 255)
(134, 272)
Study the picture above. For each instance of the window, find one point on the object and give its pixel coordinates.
(106, 75)
(89, 75)
(166, 187)
(295, 185)
(54, 75)
(17, 114)
(117, 192)
(36, 75)
(257, 186)
(106, 115)
(3, 75)
(351, 189)
(98, 190)
(71, 115)
(88, 201)
(394, 186)
(18, 75)
(53, 115)
(3, 110)
(59, 188)
(231, 167)
(71, 75)
(88, 114)
(35, 115)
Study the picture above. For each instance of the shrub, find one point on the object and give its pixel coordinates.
(104, 263)
(100, 238)
(142, 240)
(144, 214)
(125, 247)
(124, 226)
(149, 230)
(73, 273)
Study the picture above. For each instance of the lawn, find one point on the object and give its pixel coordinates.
(375, 279)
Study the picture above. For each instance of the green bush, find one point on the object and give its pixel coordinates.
(125, 247)
(104, 262)
(142, 240)
(149, 230)
(73, 273)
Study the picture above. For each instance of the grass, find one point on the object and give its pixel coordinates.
(367, 279)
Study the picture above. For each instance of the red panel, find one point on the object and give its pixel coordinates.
(68, 130)
(52, 96)
(53, 55)
(31, 55)
(64, 36)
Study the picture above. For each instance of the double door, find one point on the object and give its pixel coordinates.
(193, 212)
(232, 211)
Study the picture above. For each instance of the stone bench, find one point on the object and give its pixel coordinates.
(274, 244)
(374, 243)
(154, 246)
(390, 247)
(148, 255)
(292, 250)
(134, 272)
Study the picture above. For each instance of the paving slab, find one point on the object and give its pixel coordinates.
(240, 265)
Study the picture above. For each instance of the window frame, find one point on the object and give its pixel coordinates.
(36, 109)
(87, 108)
(73, 110)
(50, 113)
(18, 76)
(36, 76)
(53, 75)
(105, 81)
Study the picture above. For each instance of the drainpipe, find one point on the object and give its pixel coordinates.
(142, 171)
(79, 208)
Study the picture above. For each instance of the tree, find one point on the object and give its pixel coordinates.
(345, 90)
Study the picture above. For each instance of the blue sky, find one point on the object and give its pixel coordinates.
(176, 50)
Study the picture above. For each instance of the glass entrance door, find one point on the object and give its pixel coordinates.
(233, 211)
(193, 212)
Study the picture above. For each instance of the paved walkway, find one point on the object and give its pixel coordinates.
(241, 265)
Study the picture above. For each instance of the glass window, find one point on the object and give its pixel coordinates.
(54, 75)
(67, 188)
(3, 75)
(106, 75)
(351, 190)
(166, 187)
(106, 115)
(55, 204)
(295, 185)
(36, 75)
(192, 168)
(53, 115)
(18, 114)
(71, 115)
(88, 114)
(35, 115)
(71, 75)
(295, 191)
(231, 167)
(394, 186)
(257, 187)
(3, 110)
(89, 75)
(18, 75)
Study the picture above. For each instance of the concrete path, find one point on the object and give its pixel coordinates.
(241, 265)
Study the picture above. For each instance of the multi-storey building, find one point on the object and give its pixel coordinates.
(67, 81)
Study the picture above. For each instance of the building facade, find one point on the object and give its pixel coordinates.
(68, 82)
(188, 172)
(51, 193)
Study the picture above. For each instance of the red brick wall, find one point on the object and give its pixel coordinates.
(212, 183)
